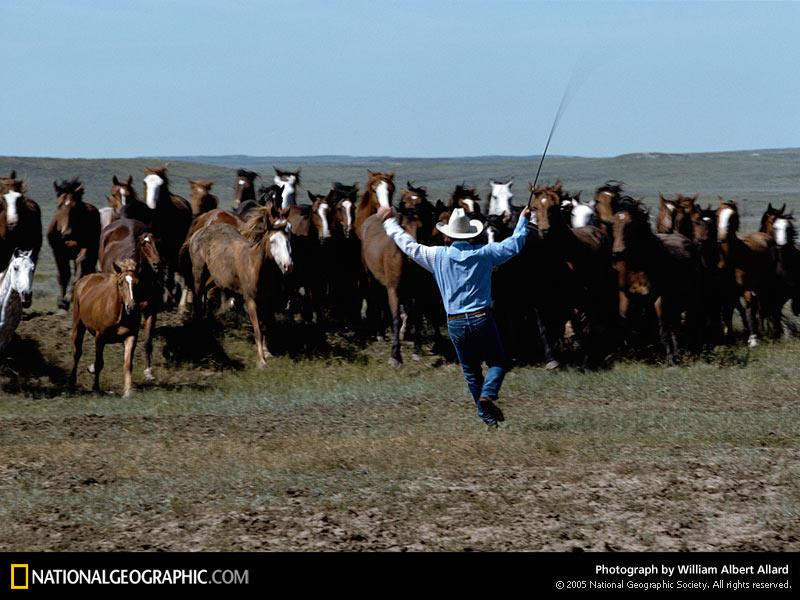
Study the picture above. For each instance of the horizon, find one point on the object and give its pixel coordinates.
(400, 157)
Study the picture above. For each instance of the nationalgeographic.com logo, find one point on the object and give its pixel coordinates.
(22, 576)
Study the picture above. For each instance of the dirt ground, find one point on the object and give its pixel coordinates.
(329, 449)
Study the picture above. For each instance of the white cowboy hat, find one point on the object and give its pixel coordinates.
(460, 226)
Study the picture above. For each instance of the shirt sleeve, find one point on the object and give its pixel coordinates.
(424, 256)
(500, 252)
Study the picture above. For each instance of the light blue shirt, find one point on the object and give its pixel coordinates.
(463, 271)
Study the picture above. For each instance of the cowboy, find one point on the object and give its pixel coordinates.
(463, 272)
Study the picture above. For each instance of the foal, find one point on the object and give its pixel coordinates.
(105, 305)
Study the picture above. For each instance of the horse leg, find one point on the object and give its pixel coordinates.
(149, 327)
(197, 278)
(78, 331)
(62, 263)
(416, 320)
(130, 346)
(394, 307)
(252, 312)
(664, 333)
(745, 312)
(549, 358)
(99, 346)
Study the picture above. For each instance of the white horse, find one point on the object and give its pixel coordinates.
(15, 294)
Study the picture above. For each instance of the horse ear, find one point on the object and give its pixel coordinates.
(510, 182)
(117, 268)
(17, 253)
(769, 208)
(114, 180)
(492, 183)
(56, 187)
(13, 174)
(311, 197)
(79, 189)
(130, 180)
(783, 208)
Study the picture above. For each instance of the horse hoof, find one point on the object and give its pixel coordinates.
(394, 363)
(752, 341)
(552, 365)
(416, 357)
(148, 374)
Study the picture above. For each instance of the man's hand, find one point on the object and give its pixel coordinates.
(526, 212)
(384, 212)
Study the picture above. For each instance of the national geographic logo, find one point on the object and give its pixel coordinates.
(19, 576)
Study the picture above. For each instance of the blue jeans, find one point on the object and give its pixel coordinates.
(477, 340)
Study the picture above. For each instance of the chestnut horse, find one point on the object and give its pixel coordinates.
(128, 238)
(244, 188)
(105, 304)
(748, 267)
(172, 217)
(658, 271)
(347, 289)
(202, 198)
(467, 197)
(223, 257)
(20, 221)
(74, 236)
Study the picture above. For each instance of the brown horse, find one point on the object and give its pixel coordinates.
(223, 257)
(749, 272)
(172, 217)
(467, 198)
(605, 204)
(74, 235)
(131, 239)
(202, 198)
(20, 221)
(657, 271)
(675, 214)
(244, 188)
(105, 304)
(384, 261)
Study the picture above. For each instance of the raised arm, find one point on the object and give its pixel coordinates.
(500, 252)
(423, 255)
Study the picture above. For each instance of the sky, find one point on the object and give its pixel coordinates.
(425, 78)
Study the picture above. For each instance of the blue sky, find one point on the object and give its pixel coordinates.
(407, 78)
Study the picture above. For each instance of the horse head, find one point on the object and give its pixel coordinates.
(727, 220)
(467, 198)
(605, 198)
(631, 223)
(244, 189)
(155, 184)
(500, 197)
(343, 199)
(413, 196)
(126, 279)
(321, 216)
(20, 273)
(279, 246)
(546, 206)
(70, 202)
(288, 181)
(202, 198)
(379, 191)
(148, 250)
(122, 192)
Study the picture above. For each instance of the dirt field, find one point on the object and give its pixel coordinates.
(340, 452)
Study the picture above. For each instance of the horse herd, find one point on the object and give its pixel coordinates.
(594, 276)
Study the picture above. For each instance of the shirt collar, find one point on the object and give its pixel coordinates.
(462, 245)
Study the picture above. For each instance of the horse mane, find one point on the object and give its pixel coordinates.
(612, 187)
(632, 205)
(246, 173)
(69, 186)
(257, 224)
